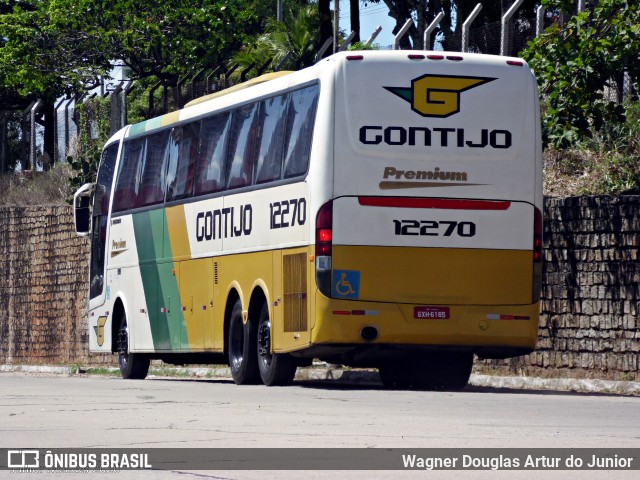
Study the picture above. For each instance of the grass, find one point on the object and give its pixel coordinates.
(36, 188)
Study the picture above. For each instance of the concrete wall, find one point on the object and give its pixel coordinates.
(588, 327)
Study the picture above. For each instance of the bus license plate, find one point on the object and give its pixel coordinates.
(431, 313)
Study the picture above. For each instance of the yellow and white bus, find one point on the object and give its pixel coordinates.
(380, 209)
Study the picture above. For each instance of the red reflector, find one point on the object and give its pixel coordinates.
(414, 56)
(435, 57)
(514, 317)
(454, 58)
(515, 63)
(442, 203)
(323, 249)
(354, 57)
(341, 312)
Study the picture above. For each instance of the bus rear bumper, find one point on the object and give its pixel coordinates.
(495, 331)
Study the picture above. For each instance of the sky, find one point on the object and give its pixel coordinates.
(371, 16)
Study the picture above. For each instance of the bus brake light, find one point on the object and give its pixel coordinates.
(324, 237)
(537, 236)
(324, 233)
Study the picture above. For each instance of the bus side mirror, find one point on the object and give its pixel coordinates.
(82, 209)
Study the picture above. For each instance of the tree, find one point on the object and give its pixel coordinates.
(53, 48)
(577, 63)
(354, 19)
(45, 54)
(326, 25)
(171, 38)
(293, 41)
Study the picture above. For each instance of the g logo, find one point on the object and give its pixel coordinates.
(99, 329)
(437, 95)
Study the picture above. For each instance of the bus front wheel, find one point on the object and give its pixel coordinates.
(133, 366)
(242, 351)
(275, 368)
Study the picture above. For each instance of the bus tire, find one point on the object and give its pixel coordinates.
(275, 368)
(395, 375)
(437, 371)
(452, 371)
(242, 352)
(133, 366)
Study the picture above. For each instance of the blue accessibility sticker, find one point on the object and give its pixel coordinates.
(345, 284)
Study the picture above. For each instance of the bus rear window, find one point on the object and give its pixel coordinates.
(300, 121)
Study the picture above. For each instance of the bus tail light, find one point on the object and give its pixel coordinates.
(324, 238)
(537, 255)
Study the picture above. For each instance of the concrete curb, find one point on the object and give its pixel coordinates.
(37, 369)
(353, 377)
(558, 384)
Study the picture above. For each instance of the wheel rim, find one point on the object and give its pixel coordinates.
(264, 343)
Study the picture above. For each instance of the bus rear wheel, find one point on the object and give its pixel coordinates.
(441, 371)
(242, 351)
(396, 375)
(275, 368)
(133, 366)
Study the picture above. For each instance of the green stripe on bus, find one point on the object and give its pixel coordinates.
(169, 285)
(145, 126)
(158, 280)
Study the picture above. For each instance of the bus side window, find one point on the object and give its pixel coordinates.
(243, 139)
(182, 153)
(152, 181)
(210, 163)
(301, 119)
(269, 154)
(129, 172)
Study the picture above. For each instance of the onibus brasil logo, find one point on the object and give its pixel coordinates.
(437, 95)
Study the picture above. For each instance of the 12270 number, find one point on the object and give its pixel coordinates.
(288, 213)
(434, 228)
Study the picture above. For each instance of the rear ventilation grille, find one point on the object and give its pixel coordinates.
(295, 292)
(215, 273)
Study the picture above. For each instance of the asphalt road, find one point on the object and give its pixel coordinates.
(104, 412)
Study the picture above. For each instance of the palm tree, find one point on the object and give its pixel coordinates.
(289, 45)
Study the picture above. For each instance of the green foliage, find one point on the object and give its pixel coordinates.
(48, 50)
(174, 37)
(291, 43)
(52, 48)
(607, 163)
(577, 63)
(363, 46)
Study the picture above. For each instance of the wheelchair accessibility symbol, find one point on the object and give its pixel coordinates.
(346, 284)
